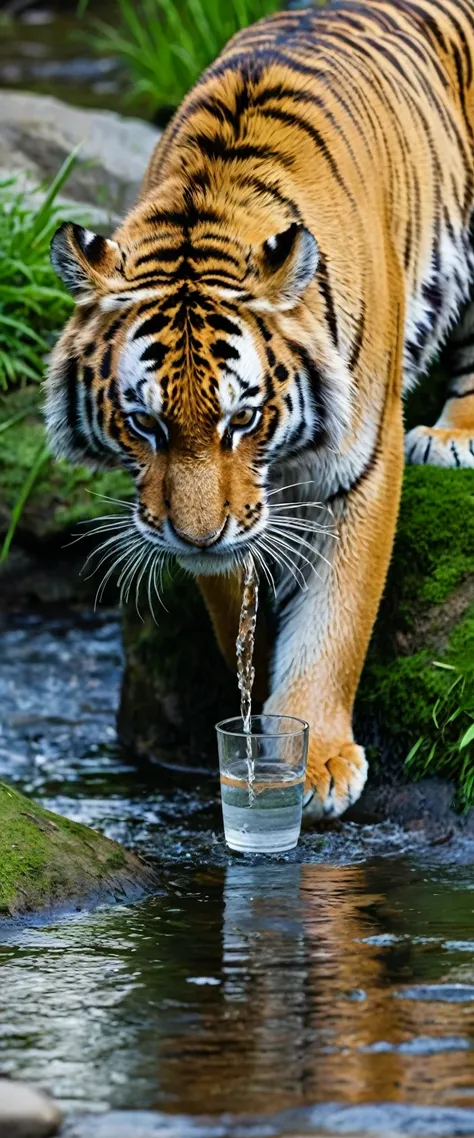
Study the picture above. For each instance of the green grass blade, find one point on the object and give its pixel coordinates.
(42, 455)
(62, 175)
(467, 738)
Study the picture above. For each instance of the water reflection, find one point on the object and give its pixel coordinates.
(251, 990)
(243, 987)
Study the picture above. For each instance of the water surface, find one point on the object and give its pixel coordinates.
(340, 974)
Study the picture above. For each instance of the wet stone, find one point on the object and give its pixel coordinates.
(26, 1112)
(449, 993)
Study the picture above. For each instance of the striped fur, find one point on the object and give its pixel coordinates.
(300, 251)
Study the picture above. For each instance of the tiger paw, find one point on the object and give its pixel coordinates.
(336, 776)
(440, 446)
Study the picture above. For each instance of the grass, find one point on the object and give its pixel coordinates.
(449, 751)
(33, 304)
(166, 45)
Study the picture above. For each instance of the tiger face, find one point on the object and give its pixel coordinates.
(200, 366)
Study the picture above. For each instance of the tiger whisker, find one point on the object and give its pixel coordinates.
(108, 574)
(144, 562)
(104, 518)
(116, 501)
(284, 561)
(127, 574)
(291, 486)
(150, 602)
(301, 524)
(267, 573)
(117, 540)
(98, 529)
(296, 505)
(123, 551)
(281, 543)
(300, 541)
(159, 562)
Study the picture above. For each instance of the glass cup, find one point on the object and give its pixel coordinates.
(262, 781)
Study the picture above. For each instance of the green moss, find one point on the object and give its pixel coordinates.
(434, 548)
(48, 860)
(403, 692)
(423, 641)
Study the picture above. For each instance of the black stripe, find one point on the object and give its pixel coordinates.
(111, 332)
(359, 336)
(460, 394)
(314, 378)
(71, 393)
(269, 188)
(210, 251)
(310, 98)
(459, 373)
(292, 120)
(218, 148)
(267, 336)
(455, 454)
(182, 219)
(427, 450)
(106, 363)
(157, 255)
(223, 324)
(221, 350)
(155, 353)
(325, 285)
(152, 326)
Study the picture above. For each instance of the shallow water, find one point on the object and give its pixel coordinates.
(45, 48)
(339, 974)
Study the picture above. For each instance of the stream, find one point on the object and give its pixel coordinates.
(331, 988)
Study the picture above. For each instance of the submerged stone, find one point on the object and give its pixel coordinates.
(47, 861)
(26, 1112)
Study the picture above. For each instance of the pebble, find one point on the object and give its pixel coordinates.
(26, 1112)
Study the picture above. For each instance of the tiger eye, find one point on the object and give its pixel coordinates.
(242, 418)
(144, 422)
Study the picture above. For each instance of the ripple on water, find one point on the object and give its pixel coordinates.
(256, 985)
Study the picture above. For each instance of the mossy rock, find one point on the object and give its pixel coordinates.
(176, 685)
(47, 861)
(423, 641)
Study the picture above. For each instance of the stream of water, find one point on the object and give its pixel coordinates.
(331, 988)
(245, 646)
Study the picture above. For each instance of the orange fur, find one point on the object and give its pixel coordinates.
(298, 252)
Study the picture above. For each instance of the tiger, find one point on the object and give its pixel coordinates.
(300, 251)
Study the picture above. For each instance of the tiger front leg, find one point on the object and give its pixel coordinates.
(323, 639)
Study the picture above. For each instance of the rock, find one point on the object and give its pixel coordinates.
(26, 1112)
(38, 132)
(175, 685)
(47, 861)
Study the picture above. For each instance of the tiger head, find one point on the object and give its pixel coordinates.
(200, 361)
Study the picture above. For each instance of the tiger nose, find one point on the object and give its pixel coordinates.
(203, 540)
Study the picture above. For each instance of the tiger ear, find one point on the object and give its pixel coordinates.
(288, 262)
(84, 261)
